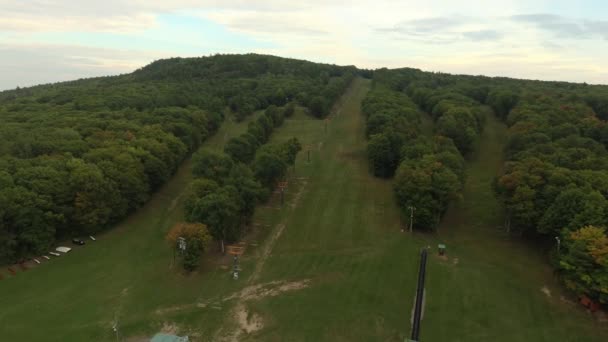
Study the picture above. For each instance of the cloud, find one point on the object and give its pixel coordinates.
(117, 24)
(483, 35)
(426, 25)
(127, 16)
(51, 40)
(444, 30)
(26, 65)
(562, 27)
(265, 23)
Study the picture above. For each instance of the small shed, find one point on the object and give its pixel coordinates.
(441, 249)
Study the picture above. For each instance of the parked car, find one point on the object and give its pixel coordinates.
(63, 249)
(78, 242)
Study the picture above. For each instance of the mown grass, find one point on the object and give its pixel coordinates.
(342, 234)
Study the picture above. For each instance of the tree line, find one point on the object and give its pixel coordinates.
(228, 185)
(78, 156)
(428, 171)
(555, 184)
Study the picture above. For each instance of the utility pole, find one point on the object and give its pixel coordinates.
(115, 326)
(282, 186)
(412, 208)
(308, 148)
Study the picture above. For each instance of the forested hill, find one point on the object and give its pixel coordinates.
(554, 186)
(77, 156)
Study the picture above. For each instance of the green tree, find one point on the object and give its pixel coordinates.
(198, 189)
(240, 150)
(220, 212)
(275, 114)
(573, 208)
(211, 164)
(289, 110)
(269, 168)
(583, 262)
(249, 190)
(318, 106)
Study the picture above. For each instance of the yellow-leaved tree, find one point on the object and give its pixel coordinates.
(194, 239)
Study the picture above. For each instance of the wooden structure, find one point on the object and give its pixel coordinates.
(235, 250)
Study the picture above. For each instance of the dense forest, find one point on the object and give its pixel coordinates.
(428, 169)
(229, 184)
(78, 156)
(554, 186)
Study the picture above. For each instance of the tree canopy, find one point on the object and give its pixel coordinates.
(76, 157)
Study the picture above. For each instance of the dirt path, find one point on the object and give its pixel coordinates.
(250, 322)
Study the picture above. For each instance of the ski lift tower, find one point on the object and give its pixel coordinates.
(236, 252)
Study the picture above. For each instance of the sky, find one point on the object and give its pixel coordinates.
(44, 41)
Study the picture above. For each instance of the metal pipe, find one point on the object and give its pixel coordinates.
(419, 296)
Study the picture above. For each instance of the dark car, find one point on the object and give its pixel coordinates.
(78, 242)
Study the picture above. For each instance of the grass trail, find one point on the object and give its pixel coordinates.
(489, 288)
(342, 237)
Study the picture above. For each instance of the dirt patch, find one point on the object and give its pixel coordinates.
(253, 292)
(172, 309)
(271, 289)
(443, 257)
(566, 300)
(546, 291)
(296, 197)
(169, 328)
(248, 322)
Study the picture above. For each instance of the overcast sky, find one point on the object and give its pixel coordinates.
(45, 41)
